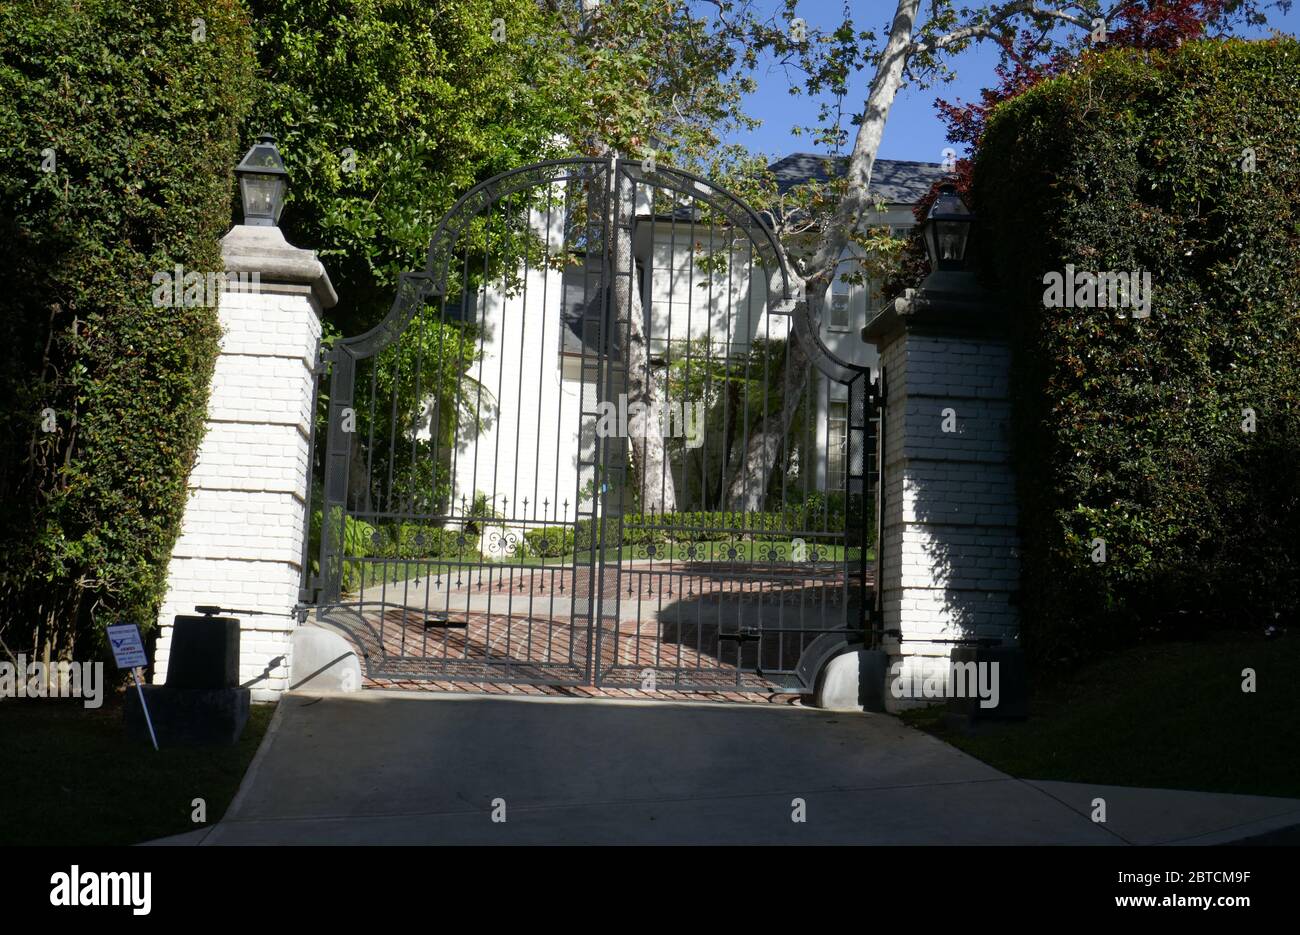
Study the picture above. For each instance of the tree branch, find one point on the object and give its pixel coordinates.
(987, 29)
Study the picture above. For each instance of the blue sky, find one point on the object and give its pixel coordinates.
(914, 130)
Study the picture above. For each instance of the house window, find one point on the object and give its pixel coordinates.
(837, 440)
(841, 295)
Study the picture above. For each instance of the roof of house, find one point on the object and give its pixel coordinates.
(896, 181)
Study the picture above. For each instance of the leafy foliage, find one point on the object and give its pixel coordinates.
(386, 112)
(1131, 430)
(357, 539)
(425, 381)
(548, 542)
(140, 119)
(1030, 56)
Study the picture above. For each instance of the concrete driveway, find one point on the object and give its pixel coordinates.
(413, 768)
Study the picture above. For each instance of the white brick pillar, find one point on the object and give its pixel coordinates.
(949, 549)
(241, 541)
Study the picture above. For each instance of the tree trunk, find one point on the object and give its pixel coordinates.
(359, 490)
(656, 488)
(750, 479)
(731, 406)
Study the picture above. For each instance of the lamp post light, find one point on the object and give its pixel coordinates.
(263, 183)
(947, 231)
(952, 288)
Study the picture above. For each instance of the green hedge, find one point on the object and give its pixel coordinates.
(548, 542)
(398, 542)
(142, 123)
(716, 526)
(1130, 430)
(414, 540)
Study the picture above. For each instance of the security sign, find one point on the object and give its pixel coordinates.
(128, 648)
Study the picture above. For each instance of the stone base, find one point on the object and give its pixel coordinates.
(854, 681)
(187, 717)
(323, 661)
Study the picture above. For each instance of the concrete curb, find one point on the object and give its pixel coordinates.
(254, 767)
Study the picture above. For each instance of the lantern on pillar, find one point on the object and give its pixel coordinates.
(263, 183)
(947, 231)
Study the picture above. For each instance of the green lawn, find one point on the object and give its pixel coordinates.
(71, 776)
(680, 553)
(1168, 715)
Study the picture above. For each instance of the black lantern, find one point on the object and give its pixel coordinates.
(262, 183)
(947, 232)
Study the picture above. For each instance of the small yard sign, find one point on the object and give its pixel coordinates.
(128, 652)
(128, 648)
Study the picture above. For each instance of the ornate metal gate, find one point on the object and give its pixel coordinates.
(598, 439)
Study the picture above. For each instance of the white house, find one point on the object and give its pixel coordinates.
(532, 362)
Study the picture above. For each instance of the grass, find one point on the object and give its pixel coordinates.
(709, 553)
(1169, 715)
(71, 776)
(395, 571)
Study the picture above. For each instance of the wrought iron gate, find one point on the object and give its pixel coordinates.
(598, 439)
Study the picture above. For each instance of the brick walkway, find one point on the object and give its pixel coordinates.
(587, 691)
(477, 628)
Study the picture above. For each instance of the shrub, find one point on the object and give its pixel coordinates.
(1130, 430)
(357, 543)
(548, 542)
(404, 542)
(136, 123)
(420, 541)
(814, 514)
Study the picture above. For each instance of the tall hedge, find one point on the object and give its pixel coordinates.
(1131, 430)
(118, 134)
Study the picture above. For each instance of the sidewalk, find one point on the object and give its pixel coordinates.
(406, 768)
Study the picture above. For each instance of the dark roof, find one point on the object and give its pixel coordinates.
(896, 181)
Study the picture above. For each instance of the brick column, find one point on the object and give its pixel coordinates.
(241, 542)
(948, 543)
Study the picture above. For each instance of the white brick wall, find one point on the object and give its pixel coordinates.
(948, 541)
(241, 539)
